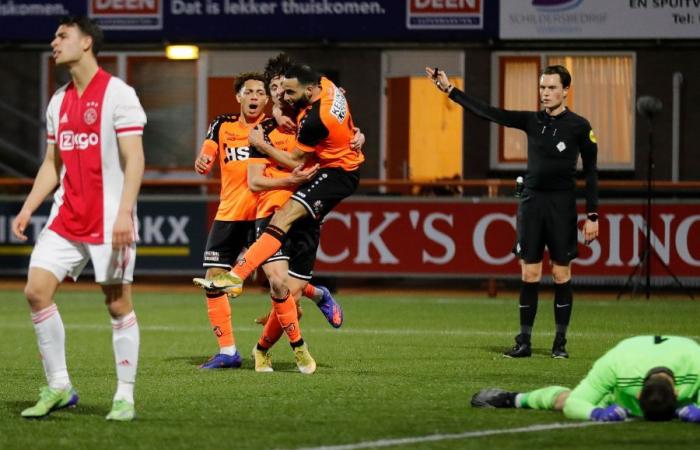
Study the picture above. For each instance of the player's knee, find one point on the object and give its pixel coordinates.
(282, 221)
(295, 287)
(561, 274)
(118, 299)
(561, 400)
(278, 284)
(120, 307)
(531, 274)
(37, 296)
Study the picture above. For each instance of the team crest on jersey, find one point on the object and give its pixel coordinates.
(90, 114)
(561, 146)
(340, 105)
(317, 207)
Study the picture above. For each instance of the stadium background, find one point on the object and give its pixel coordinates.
(436, 203)
(435, 177)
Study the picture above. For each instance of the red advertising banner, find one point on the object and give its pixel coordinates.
(449, 237)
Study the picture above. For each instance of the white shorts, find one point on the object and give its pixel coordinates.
(62, 257)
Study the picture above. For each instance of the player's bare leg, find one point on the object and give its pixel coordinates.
(276, 273)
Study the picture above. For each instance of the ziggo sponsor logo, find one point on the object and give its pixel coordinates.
(70, 140)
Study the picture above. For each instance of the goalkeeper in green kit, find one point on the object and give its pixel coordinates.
(655, 377)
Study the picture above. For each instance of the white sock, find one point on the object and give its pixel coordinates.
(229, 350)
(519, 401)
(125, 340)
(51, 337)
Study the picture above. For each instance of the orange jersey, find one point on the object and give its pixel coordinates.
(228, 138)
(326, 128)
(270, 201)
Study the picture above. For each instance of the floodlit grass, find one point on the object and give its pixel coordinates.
(402, 366)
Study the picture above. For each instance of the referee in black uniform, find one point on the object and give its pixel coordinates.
(547, 210)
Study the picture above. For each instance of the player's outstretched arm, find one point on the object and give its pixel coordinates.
(131, 151)
(45, 182)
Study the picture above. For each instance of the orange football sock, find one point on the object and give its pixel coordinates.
(309, 291)
(286, 310)
(267, 245)
(272, 331)
(219, 310)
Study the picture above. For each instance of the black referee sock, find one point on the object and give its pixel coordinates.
(528, 306)
(563, 302)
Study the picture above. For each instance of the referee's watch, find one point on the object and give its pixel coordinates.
(593, 217)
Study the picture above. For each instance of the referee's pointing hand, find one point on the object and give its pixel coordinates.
(440, 79)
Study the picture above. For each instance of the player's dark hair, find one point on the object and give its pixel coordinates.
(88, 27)
(277, 66)
(245, 76)
(563, 73)
(304, 74)
(658, 398)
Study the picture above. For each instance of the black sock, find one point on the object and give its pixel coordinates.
(528, 306)
(563, 302)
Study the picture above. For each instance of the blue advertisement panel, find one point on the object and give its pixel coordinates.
(172, 237)
(257, 20)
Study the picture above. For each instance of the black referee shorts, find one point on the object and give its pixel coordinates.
(547, 218)
(226, 241)
(325, 190)
(299, 247)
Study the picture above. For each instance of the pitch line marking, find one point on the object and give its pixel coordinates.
(456, 436)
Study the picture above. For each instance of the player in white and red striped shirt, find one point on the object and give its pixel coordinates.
(94, 154)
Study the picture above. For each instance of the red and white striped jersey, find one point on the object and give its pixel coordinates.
(84, 130)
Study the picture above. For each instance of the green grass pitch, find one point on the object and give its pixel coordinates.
(403, 366)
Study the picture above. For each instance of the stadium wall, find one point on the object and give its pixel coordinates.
(358, 70)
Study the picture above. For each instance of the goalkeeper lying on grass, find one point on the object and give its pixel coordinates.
(655, 377)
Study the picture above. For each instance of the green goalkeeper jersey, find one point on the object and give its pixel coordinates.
(617, 376)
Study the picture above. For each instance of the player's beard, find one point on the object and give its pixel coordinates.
(302, 102)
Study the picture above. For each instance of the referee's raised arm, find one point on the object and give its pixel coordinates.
(512, 119)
